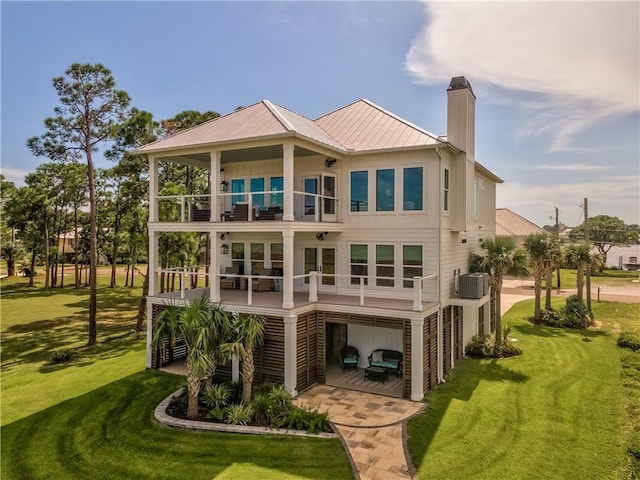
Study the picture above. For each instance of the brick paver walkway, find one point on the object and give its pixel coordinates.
(371, 426)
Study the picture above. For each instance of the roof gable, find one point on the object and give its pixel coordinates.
(363, 126)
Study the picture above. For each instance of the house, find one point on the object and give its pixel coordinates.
(510, 224)
(351, 229)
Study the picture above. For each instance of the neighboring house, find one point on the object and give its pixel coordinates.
(359, 225)
(510, 224)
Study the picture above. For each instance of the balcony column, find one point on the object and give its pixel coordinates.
(150, 320)
(152, 265)
(153, 189)
(290, 355)
(214, 181)
(214, 267)
(287, 173)
(287, 281)
(417, 366)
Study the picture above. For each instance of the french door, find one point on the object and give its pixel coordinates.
(320, 208)
(321, 260)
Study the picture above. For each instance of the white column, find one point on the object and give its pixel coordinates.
(417, 294)
(287, 167)
(287, 281)
(214, 180)
(149, 332)
(417, 346)
(313, 286)
(214, 267)
(469, 323)
(153, 189)
(152, 265)
(290, 355)
(440, 343)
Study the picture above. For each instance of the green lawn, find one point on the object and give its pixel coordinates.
(556, 412)
(93, 418)
(607, 277)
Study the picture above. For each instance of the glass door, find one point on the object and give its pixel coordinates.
(321, 260)
(329, 192)
(310, 201)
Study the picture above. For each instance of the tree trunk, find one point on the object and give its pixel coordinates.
(580, 284)
(11, 262)
(93, 249)
(547, 304)
(77, 270)
(142, 306)
(193, 388)
(498, 315)
(33, 265)
(248, 370)
(46, 253)
(537, 287)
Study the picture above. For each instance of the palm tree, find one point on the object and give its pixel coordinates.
(248, 333)
(543, 253)
(579, 256)
(555, 259)
(500, 258)
(199, 325)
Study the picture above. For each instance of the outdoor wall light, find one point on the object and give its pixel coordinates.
(329, 162)
(224, 186)
(224, 249)
(320, 236)
(223, 235)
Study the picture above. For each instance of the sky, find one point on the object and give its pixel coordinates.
(557, 83)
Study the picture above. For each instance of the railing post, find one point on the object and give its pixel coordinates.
(361, 291)
(182, 208)
(417, 294)
(182, 283)
(250, 290)
(313, 286)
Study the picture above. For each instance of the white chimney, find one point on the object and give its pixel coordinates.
(461, 116)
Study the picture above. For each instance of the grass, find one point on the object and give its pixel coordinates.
(92, 418)
(556, 412)
(606, 277)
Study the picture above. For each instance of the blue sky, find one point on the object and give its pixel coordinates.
(557, 84)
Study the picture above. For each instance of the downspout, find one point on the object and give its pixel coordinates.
(439, 342)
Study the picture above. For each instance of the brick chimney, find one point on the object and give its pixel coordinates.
(461, 116)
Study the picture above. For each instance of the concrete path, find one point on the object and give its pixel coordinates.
(372, 427)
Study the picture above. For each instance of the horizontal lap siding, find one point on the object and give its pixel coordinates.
(269, 357)
(307, 351)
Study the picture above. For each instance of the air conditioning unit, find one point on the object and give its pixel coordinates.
(471, 286)
(485, 282)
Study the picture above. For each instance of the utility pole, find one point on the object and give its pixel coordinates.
(586, 239)
(558, 236)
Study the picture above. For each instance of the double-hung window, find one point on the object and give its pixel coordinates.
(446, 190)
(385, 265)
(257, 185)
(411, 264)
(237, 256)
(359, 261)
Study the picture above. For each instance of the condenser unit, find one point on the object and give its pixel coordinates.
(485, 282)
(471, 286)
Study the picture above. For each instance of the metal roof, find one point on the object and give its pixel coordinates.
(364, 126)
(509, 224)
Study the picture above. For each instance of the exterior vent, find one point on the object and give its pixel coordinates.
(471, 286)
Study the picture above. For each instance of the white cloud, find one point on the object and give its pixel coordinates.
(14, 175)
(570, 167)
(579, 61)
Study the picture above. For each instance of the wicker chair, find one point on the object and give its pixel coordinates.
(263, 284)
(229, 283)
(349, 356)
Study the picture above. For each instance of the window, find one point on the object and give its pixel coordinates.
(310, 186)
(237, 186)
(277, 259)
(384, 265)
(257, 258)
(359, 261)
(276, 185)
(475, 199)
(257, 185)
(412, 188)
(385, 190)
(237, 256)
(446, 189)
(359, 191)
(411, 264)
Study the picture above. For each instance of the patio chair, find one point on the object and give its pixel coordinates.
(229, 283)
(349, 356)
(263, 284)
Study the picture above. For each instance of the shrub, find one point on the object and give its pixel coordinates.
(239, 414)
(217, 414)
(61, 356)
(552, 318)
(480, 346)
(263, 408)
(280, 396)
(629, 340)
(575, 313)
(217, 395)
(307, 418)
(178, 403)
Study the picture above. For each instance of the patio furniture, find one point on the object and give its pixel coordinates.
(376, 373)
(240, 212)
(387, 359)
(229, 283)
(263, 284)
(349, 356)
(200, 214)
